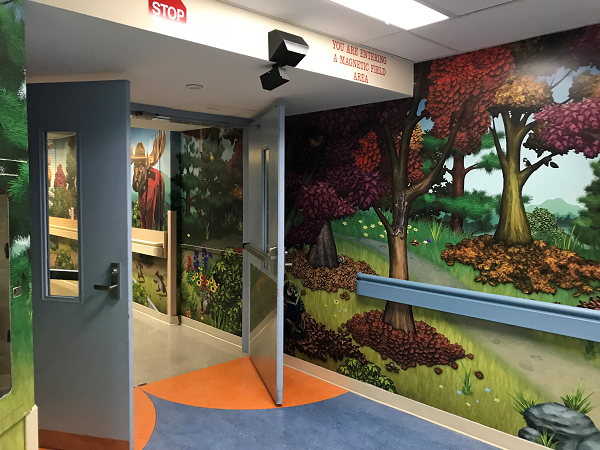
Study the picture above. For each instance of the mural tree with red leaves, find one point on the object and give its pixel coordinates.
(459, 90)
(341, 181)
(60, 180)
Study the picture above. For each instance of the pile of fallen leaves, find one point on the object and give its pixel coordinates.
(425, 347)
(531, 268)
(321, 343)
(322, 278)
(593, 303)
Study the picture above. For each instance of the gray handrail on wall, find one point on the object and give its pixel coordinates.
(556, 319)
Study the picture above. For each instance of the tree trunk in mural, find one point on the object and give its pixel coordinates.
(399, 315)
(188, 202)
(324, 252)
(458, 174)
(513, 226)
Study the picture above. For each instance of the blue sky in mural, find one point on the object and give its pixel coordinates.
(567, 182)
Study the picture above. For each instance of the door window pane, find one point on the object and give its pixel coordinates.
(63, 237)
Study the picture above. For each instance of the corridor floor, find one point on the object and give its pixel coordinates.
(162, 351)
(227, 407)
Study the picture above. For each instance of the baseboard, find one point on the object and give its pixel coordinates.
(171, 320)
(31, 430)
(58, 440)
(456, 423)
(212, 331)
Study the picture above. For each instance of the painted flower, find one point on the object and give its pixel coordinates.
(459, 392)
(441, 386)
(382, 235)
(409, 227)
(416, 229)
(336, 301)
(345, 309)
(213, 288)
(372, 225)
(199, 283)
(380, 223)
(188, 235)
(488, 390)
(366, 234)
(360, 221)
(344, 223)
(497, 400)
(365, 227)
(477, 401)
(468, 404)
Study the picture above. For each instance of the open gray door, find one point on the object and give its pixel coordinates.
(264, 253)
(81, 261)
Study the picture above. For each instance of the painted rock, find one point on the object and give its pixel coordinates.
(567, 445)
(591, 443)
(562, 422)
(529, 434)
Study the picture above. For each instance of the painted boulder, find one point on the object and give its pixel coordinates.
(591, 443)
(529, 434)
(563, 423)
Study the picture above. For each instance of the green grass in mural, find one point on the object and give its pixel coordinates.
(578, 401)
(493, 408)
(366, 224)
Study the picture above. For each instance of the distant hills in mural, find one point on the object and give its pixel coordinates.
(558, 207)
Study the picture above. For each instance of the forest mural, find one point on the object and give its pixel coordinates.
(486, 179)
(210, 183)
(198, 174)
(14, 181)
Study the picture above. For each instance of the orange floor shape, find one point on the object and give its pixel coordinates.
(231, 385)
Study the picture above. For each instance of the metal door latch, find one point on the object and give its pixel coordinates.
(114, 282)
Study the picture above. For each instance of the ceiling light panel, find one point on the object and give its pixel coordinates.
(461, 7)
(406, 14)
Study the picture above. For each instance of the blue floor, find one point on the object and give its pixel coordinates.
(346, 422)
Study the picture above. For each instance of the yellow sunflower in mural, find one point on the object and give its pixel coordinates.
(213, 288)
(195, 277)
(199, 282)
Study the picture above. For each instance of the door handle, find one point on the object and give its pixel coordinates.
(113, 288)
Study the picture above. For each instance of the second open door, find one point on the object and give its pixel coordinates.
(264, 253)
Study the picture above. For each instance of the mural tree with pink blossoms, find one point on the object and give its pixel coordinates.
(525, 102)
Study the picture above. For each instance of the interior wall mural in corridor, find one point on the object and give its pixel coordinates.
(198, 174)
(488, 179)
(210, 186)
(14, 182)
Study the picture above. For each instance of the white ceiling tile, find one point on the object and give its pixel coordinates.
(460, 7)
(410, 46)
(320, 15)
(512, 22)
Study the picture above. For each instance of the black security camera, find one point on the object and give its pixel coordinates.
(285, 49)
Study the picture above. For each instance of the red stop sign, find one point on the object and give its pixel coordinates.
(173, 10)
